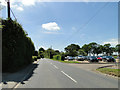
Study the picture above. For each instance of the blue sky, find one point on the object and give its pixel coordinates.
(59, 24)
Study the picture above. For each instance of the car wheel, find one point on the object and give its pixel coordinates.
(104, 60)
(89, 61)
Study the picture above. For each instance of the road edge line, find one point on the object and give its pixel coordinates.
(17, 84)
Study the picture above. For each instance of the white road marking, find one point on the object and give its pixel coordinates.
(56, 67)
(0, 84)
(69, 77)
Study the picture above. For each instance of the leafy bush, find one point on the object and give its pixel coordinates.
(38, 57)
(57, 57)
(17, 48)
(34, 58)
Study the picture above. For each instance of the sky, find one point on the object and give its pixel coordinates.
(59, 24)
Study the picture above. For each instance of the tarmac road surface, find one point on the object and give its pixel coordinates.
(53, 74)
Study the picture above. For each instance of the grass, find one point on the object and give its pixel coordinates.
(115, 57)
(114, 72)
(67, 61)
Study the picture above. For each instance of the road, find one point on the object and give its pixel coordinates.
(53, 74)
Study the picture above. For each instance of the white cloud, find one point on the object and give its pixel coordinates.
(20, 8)
(52, 33)
(38, 47)
(113, 42)
(52, 26)
(2, 2)
(22, 3)
(28, 2)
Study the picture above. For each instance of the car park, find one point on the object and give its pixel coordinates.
(92, 59)
(108, 59)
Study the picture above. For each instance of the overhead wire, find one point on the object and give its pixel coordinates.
(74, 34)
(13, 14)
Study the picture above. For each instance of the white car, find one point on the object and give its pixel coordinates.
(69, 58)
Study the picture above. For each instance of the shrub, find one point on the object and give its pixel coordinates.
(57, 57)
(38, 57)
(34, 58)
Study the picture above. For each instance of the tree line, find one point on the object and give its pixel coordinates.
(75, 50)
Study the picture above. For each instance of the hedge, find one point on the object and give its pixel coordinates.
(57, 57)
(17, 47)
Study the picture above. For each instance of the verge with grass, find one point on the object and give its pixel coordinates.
(113, 72)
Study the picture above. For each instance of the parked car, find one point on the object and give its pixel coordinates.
(99, 58)
(87, 57)
(70, 58)
(75, 58)
(66, 58)
(108, 59)
(84, 57)
(92, 59)
(80, 58)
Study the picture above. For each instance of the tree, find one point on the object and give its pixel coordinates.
(36, 53)
(107, 49)
(62, 56)
(86, 48)
(99, 49)
(118, 48)
(49, 53)
(72, 50)
(41, 49)
(57, 52)
(93, 48)
(41, 52)
(82, 52)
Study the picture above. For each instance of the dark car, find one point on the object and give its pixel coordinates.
(92, 59)
(84, 57)
(108, 59)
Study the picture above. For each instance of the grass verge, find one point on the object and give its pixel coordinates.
(66, 61)
(113, 72)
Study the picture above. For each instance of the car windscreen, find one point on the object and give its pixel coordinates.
(109, 56)
(93, 57)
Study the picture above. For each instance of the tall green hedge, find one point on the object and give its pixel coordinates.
(57, 57)
(17, 48)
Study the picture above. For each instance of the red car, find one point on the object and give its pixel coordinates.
(99, 58)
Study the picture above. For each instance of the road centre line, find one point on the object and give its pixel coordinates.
(69, 77)
(56, 67)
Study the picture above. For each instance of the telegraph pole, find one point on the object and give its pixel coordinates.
(8, 8)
